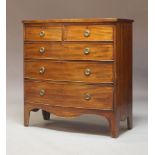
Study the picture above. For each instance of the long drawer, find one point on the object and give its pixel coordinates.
(69, 51)
(69, 95)
(95, 72)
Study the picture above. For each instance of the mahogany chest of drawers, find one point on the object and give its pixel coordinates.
(79, 66)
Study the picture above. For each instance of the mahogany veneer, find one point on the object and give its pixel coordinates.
(79, 66)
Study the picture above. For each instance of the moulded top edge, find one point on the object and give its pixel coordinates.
(80, 20)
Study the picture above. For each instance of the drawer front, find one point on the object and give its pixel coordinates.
(69, 95)
(69, 51)
(89, 33)
(51, 33)
(69, 71)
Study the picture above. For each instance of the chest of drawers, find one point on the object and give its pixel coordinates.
(79, 66)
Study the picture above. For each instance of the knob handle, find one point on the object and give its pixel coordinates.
(42, 49)
(87, 72)
(42, 92)
(87, 96)
(42, 34)
(86, 33)
(86, 51)
(42, 70)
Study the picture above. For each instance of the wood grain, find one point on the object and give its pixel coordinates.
(70, 71)
(69, 51)
(124, 72)
(80, 20)
(69, 95)
(66, 87)
(97, 33)
(52, 33)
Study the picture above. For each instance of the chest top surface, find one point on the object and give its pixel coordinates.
(79, 20)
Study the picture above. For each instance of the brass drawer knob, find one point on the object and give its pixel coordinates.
(42, 34)
(42, 92)
(87, 96)
(86, 33)
(86, 51)
(87, 72)
(42, 50)
(42, 70)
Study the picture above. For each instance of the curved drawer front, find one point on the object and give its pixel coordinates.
(88, 33)
(69, 95)
(69, 71)
(50, 33)
(69, 51)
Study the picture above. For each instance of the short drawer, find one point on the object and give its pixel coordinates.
(69, 51)
(50, 33)
(96, 72)
(69, 95)
(89, 33)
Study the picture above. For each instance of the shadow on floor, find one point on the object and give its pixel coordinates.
(101, 128)
(139, 119)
